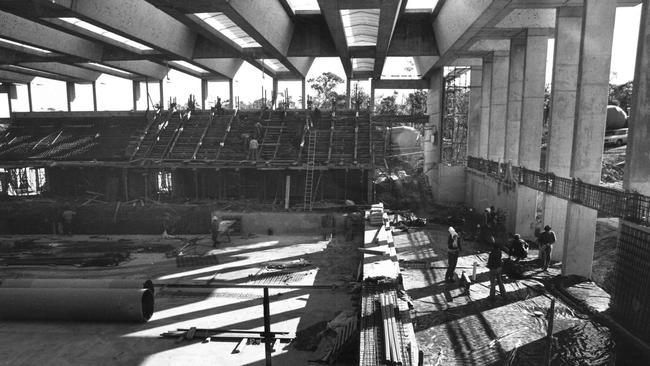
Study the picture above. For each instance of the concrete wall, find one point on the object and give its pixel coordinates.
(449, 184)
(483, 191)
(39, 217)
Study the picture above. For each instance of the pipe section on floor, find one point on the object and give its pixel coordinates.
(76, 283)
(80, 304)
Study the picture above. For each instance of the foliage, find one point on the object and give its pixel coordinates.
(622, 94)
(416, 103)
(359, 97)
(388, 105)
(324, 86)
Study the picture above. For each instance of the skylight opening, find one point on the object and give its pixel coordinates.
(400, 68)
(360, 26)
(274, 64)
(18, 44)
(421, 5)
(222, 24)
(304, 6)
(190, 66)
(104, 67)
(105, 33)
(363, 64)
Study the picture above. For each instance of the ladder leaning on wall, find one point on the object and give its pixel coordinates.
(309, 173)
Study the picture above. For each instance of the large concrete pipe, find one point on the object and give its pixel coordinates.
(128, 305)
(76, 283)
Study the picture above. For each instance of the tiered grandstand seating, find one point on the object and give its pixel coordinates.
(170, 136)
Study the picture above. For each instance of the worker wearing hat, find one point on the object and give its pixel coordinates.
(546, 240)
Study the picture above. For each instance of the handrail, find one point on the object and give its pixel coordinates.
(144, 133)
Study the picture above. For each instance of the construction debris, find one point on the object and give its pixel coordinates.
(336, 335)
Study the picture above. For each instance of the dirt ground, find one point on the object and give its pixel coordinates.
(331, 266)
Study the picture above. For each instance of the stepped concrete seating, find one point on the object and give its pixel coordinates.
(160, 147)
(189, 137)
(70, 138)
(213, 137)
(343, 140)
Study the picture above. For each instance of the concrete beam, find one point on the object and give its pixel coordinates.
(489, 45)
(459, 21)
(14, 77)
(332, 14)
(224, 66)
(75, 72)
(125, 17)
(37, 73)
(528, 18)
(145, 68)
(401, 84)
(274, 36)
(388, 13)
(26, 31)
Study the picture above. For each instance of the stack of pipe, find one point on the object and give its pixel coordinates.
(76, 299)
(392, 334)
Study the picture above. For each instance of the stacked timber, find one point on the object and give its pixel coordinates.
(376, 215)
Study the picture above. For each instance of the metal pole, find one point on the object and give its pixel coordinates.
(549, 332)
(287, 192)
(267, 327)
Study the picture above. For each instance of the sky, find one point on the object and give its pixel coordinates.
(251, 83)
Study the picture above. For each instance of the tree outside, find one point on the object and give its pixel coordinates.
(324, 86)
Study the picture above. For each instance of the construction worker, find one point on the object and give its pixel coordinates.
(495, 264)
(253, 147)
(453, 250)
(546, 240)
(67, 216)
(214, 230)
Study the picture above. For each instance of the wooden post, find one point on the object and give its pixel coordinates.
(549, 332)
(146, 184)
(267, 327)
(371, 196)
(162, 97)
(287, 192)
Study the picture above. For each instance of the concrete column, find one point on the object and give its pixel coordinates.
(136, 93)
(287, 191)
(532, 115)
(94, 96)
(498, 106)
(563, 100)
(231, 96)
(433, 130)
(304, 94)
(29, 96)
(274, 93)
(515, 96)
(347, 93)
(474, 118)
(589, 130)
(204, 92)
(162, 96)
(372, 96)
(486, 91)
(70, 94)
(637, 169)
